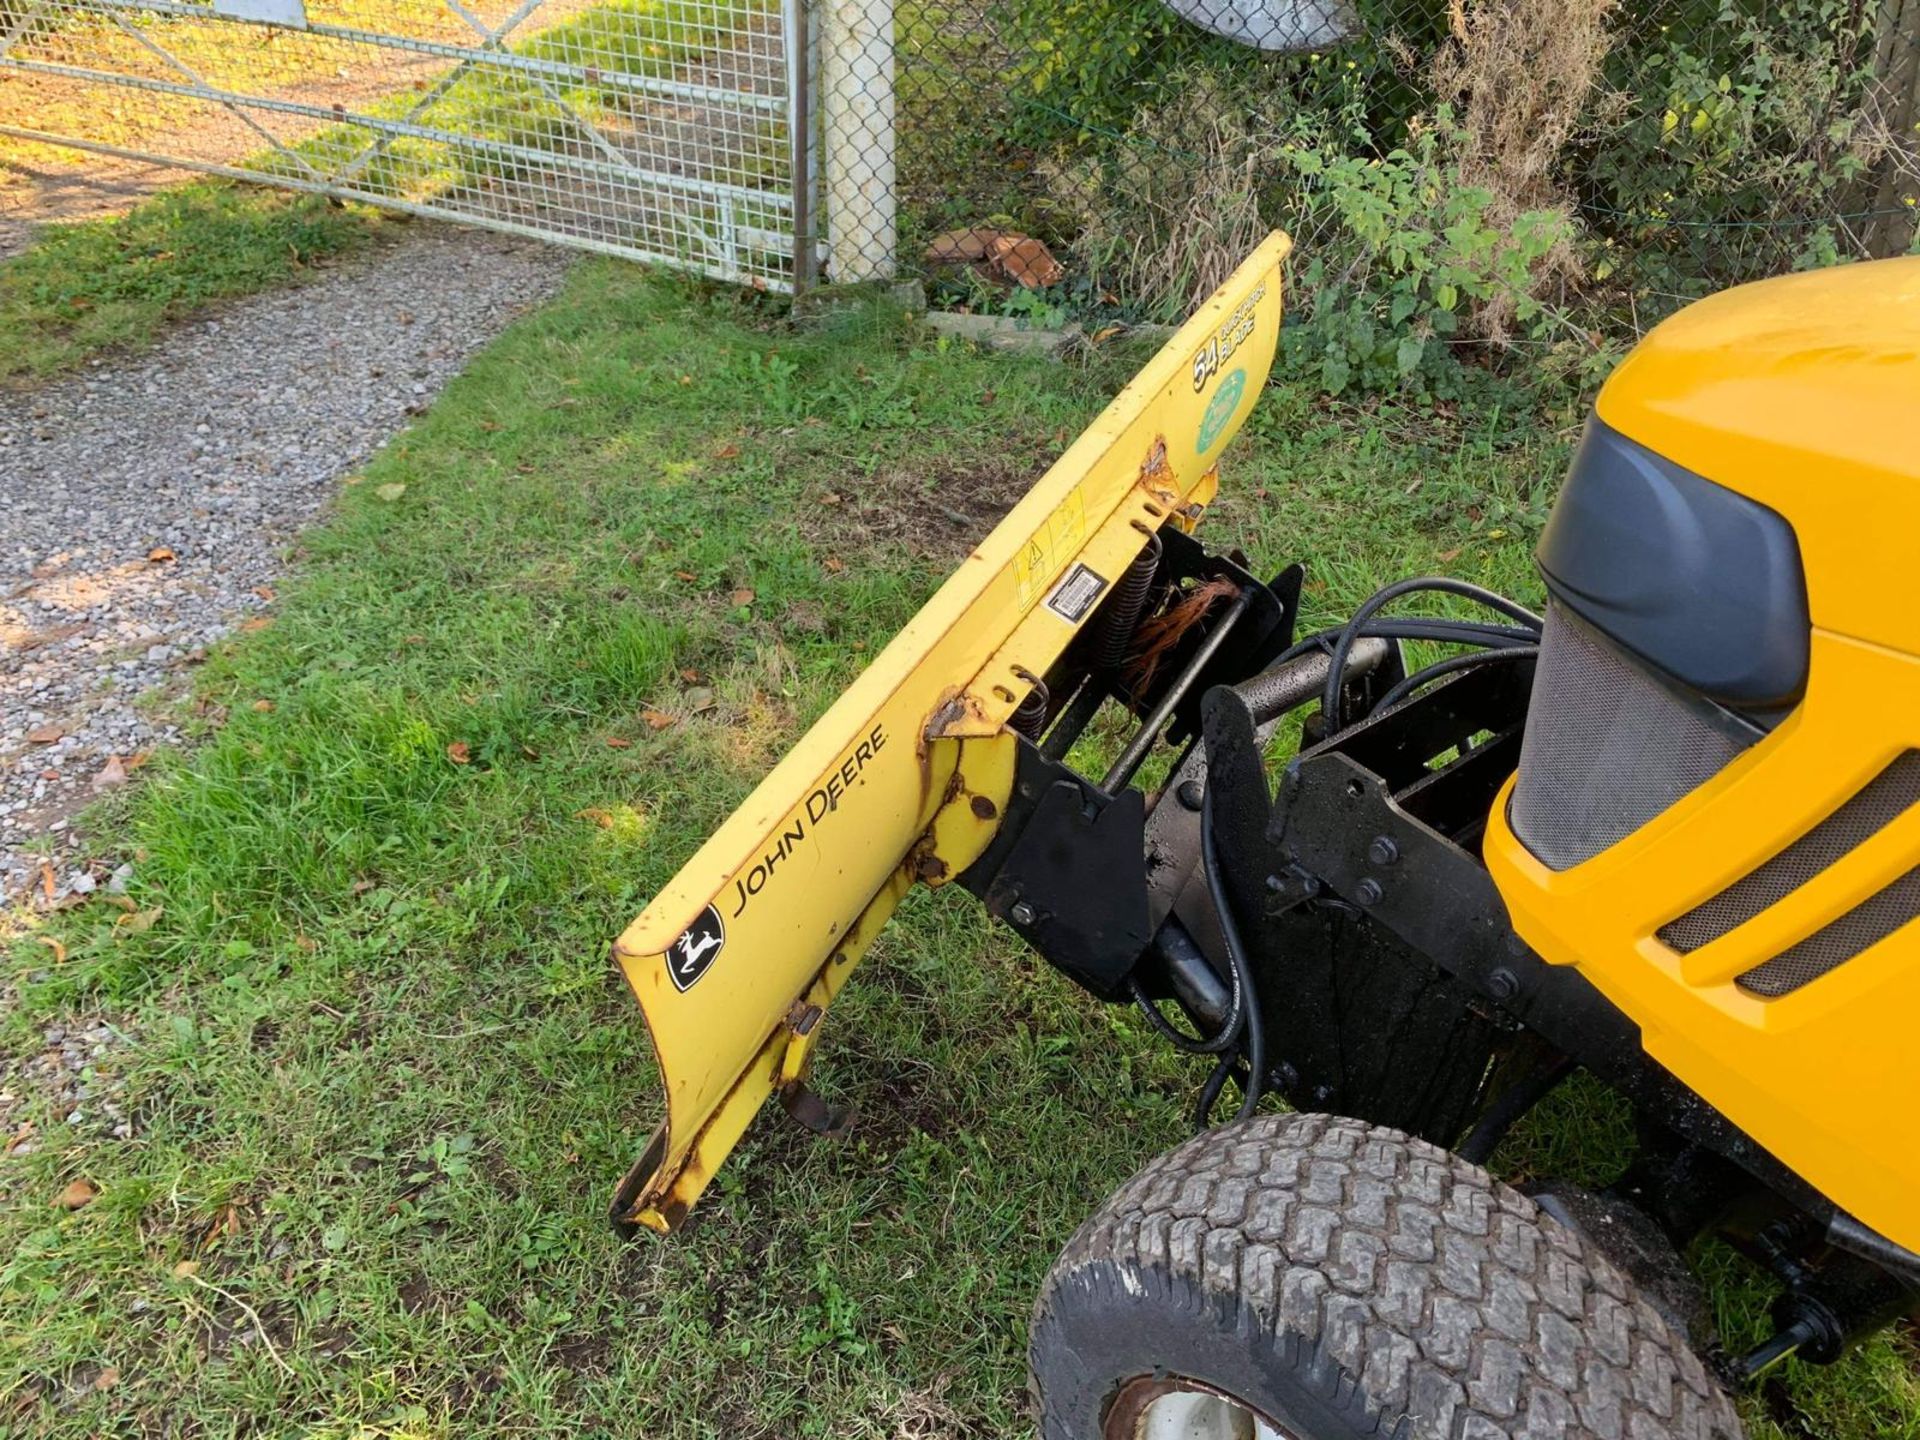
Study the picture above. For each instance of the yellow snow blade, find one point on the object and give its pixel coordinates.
(906, 776)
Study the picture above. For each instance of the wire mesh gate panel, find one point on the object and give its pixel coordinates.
(661, 130)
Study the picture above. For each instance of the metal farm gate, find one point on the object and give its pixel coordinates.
(661, 130)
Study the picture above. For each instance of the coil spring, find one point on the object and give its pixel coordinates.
(1030, 715)
(1120, 616)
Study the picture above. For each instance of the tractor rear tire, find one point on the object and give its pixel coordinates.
(1324, 1279)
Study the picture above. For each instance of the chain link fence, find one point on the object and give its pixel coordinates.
(1518, 171)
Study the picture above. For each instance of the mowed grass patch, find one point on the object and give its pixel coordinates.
(383, 1074)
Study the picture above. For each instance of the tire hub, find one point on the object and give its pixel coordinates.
(1175, 1407)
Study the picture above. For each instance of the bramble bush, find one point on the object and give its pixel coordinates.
(1399, 259)
(1469, 180)
(1403, 258)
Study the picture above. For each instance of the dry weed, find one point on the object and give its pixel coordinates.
(1520, 76)
(1167, 219)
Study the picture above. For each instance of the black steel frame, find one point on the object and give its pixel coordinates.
(1391, 985)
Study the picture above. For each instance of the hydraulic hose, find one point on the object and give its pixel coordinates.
(1331, 696)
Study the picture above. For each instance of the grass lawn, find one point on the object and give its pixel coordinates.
(83, 288)
(382, 1073)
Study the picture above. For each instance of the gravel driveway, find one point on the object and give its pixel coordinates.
(145, 503)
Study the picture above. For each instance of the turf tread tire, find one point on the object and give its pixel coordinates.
(1369, 1285)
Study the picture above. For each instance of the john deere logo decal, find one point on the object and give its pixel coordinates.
(1220, 410)
(689, 957)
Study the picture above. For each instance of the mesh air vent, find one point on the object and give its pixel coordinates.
(1608, 746)
(1868, 923)
(1879, 801)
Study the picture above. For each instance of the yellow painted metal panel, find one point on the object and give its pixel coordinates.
(1825, 1076)
(1803, 393)
(784, 896)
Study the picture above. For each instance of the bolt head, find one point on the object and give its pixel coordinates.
(1383, 850)
(1021, 913)
(1368, 892)
(1503, 984)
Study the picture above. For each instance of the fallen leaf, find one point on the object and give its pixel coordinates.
(686, 575)
(391, 491)
(1106, 333)
(47, 883)
(699, 699)
(107, 1378)
(726, 452)
(529, 752)
(140, 921)
(137, 759)
(262, 707)
(20, 1136)
(656, 719)
(114, 772)
(49, 774)
(686, 379)
(121, 902)
(692, 677)
(159, 555)
(598, 816)
(459, 753)
(1445, 555)
(59, 950)
(615, 742)
(226, 1221)
(1026, 261)
(258, 622)
(45, 735)
(830, 498)
(416, 640)
(78, 1193)
(265, 592)
(835, 564)
(962, 247)
(987, 397)
(306, 943)
(186, 1268)
(743, 596)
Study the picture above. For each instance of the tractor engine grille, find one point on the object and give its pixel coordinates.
(1608, 746)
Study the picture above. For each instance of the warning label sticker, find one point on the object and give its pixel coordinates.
(1076, 593)
(1049, 547)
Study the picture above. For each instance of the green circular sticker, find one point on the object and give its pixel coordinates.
(1220, 410)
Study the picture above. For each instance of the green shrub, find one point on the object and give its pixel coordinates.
(1732, 139)
(1088, 65)
(1399, 258)
(1402, 258)
(1683, 145)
